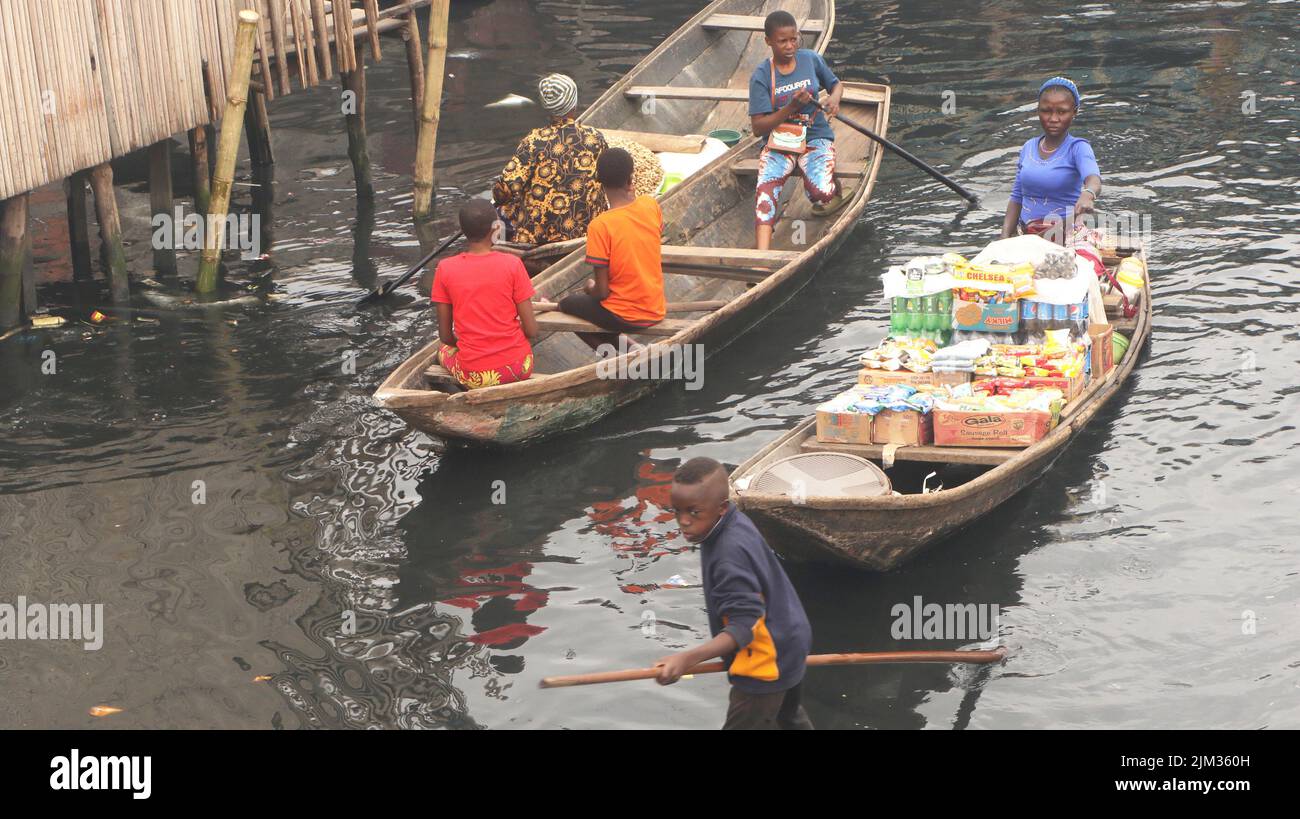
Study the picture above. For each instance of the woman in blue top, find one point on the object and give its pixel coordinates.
(1057, 178)
(782, 93)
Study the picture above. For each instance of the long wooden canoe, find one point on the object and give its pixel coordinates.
(880, 533)
(695, 82)
(719, 285)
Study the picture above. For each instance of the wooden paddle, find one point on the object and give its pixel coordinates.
(385, 289)
(872, 658)
(898, 149)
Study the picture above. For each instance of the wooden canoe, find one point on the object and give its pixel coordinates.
(881, 533)
(698, 79)
(710, 265)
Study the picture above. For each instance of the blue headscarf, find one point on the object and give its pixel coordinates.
(1061, 82)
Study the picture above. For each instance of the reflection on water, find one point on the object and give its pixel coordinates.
(342, 571)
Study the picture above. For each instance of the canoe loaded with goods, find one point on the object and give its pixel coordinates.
(991, 367)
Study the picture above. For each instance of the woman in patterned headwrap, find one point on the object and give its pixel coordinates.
(548, 190)
(1057, 178)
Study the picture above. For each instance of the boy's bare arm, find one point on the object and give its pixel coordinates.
(446, 333)
(672, 667)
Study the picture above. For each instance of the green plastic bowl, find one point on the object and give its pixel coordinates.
(728, 136)
(1119, 346)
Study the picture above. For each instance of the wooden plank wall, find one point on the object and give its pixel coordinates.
(84, 81)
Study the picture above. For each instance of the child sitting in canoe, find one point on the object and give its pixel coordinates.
(758, 624)
(1057, 182)
(783, 91)
(626, 291)
(485, 308)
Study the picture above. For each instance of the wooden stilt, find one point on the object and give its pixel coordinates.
(199, 165)
(430, 105)
(78, 230)
(29, 277)
(257, 125)
(415, 64)
(355, 81)
(160, 204)
(227, 151)
(13, 253)
(110, 231)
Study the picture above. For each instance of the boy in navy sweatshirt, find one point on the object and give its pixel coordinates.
(758, 624)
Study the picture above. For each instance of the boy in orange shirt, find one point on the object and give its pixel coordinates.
(626, 291)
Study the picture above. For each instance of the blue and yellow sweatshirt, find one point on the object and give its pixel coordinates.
(749, 596)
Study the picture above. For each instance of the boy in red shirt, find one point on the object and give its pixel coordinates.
(485, 308)
(626, 291)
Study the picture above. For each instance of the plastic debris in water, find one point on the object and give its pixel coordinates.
(509, 101)
(97, 316)
(262, 678)
(676, 581)
(104, 710)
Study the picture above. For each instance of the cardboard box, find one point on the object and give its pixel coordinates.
(1103, 350)
(843, 427)
(907, 427)
(1069, 387)
(887, 378)
(992, 429)
(986, 318)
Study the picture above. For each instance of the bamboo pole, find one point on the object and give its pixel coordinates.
(355, 81)
(996, 655)
(430, 105)
(110, 231)
(78, 230)
(322, 38)
(372, 28)
(414, 64)
(257, 125)
(277, 37)
(160, 203)
(13, 254)
(199, 165)
(228, 150)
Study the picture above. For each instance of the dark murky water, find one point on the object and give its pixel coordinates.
(1127, 576)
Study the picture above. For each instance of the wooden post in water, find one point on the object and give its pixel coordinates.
(257, 124)
(13, 255)
(160, 203)
(414, 64)
(110, 231)
(78, 230)
(354, 109)
(199, 165)
(227, 151)
(427, 141)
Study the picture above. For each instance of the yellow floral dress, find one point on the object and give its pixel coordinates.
(548, 189)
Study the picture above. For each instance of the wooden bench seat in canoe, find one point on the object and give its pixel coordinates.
(846, 170)
(748, 22)
(985, 456)
(686, 92)
(438, 373)
(555, 322)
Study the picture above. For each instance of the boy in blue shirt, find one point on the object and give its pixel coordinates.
(758, 624)
(782, 91)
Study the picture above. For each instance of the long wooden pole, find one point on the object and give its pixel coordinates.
(199, 166)
(232, 125)
(110, 231)
(78, 230)
(160, 203)
(13, 253)
(872, 658)
(414, 65)
(354, 81)
(430, 107)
